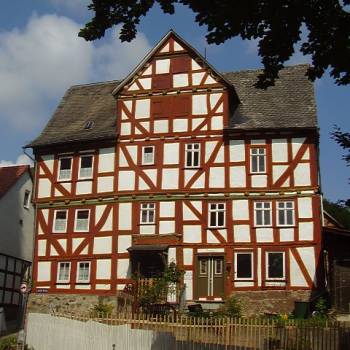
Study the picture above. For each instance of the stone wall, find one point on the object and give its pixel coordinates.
(75, 303)
(256, 303)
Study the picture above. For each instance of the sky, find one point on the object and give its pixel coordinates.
(41, 56)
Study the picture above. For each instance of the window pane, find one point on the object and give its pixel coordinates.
(203, 266)
(267, 217)
(281, 217)
(151, 215)
(259, 220)
(195, 158)
(213, 219)
(244, 265)
(189, 159)
(275, 267)
(221, 218)
(82, 222)
(83, 214)
(144, 216)
(86, 161)
(218, 266)
(290, 217)
(65, 163)
(261, 164)
(254, 164)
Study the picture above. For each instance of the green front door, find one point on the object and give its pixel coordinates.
(210, 277)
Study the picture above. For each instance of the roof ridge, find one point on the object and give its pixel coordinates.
(260, 69)
(96, 83)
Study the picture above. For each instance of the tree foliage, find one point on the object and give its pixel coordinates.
(343, 140)
(275, 24)
(340, 211)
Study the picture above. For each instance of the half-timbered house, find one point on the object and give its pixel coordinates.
(178, 162)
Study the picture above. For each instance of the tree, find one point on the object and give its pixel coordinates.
(343, 139)
(276, 24)
(340, 211)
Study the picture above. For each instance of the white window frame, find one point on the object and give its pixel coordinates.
(268, 278)
(76, 218)
(257, 156)
(59, 168)
(285, 210)
(92, 166)
(147, 207)
(54, 221)
(26, 201)
(78, 271)
(189, 149)
(58, 280)
(236, 266)
(263, 216)
(217, 211)
(143, 161)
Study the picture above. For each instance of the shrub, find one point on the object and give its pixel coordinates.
(8, 343)
(233, 307)
(101, 309)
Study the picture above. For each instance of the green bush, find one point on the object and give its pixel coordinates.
(8, 343)
(233, 307)
(101, 309)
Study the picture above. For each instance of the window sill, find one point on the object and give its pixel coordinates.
(192, 168)
(286, 226)
(62, 283)
(147, 224)
(263, 226)
(216, 228)
(257, 173)
(82, 283)
(85, 179)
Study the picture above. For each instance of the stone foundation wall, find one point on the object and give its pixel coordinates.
(256, 303)
(253, 303)
(75, 303)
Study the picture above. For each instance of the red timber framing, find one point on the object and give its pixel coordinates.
(187, 185)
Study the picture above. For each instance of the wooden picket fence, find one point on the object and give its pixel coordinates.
(235, 333)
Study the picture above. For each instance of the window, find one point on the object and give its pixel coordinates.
(147, 213)
(203, 267)
(26, 199)
(285, 213)
(147, 155)
(218, 266)
(244, 266)
(192, 155)
(85, 171)
(258, 160)
(275, 266)
(63, 272)
(82, 220)
(65, 168)
(216, 214)
(83, 273)
(60, 221)
(262, 212)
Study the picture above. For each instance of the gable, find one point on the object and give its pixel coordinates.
(172, 65)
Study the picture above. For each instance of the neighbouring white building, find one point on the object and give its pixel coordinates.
(16, 235)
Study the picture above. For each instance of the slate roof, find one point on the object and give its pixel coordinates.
(9, 176)
(288, 104)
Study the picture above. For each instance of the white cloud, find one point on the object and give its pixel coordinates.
(39, 62)
(22, 159)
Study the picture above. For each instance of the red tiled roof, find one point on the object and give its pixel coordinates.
(9, 176)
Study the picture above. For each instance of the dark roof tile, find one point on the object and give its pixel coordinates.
(288, 104)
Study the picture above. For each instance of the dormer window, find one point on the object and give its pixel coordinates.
(65, 168)
(86, 162)
(89, 124)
